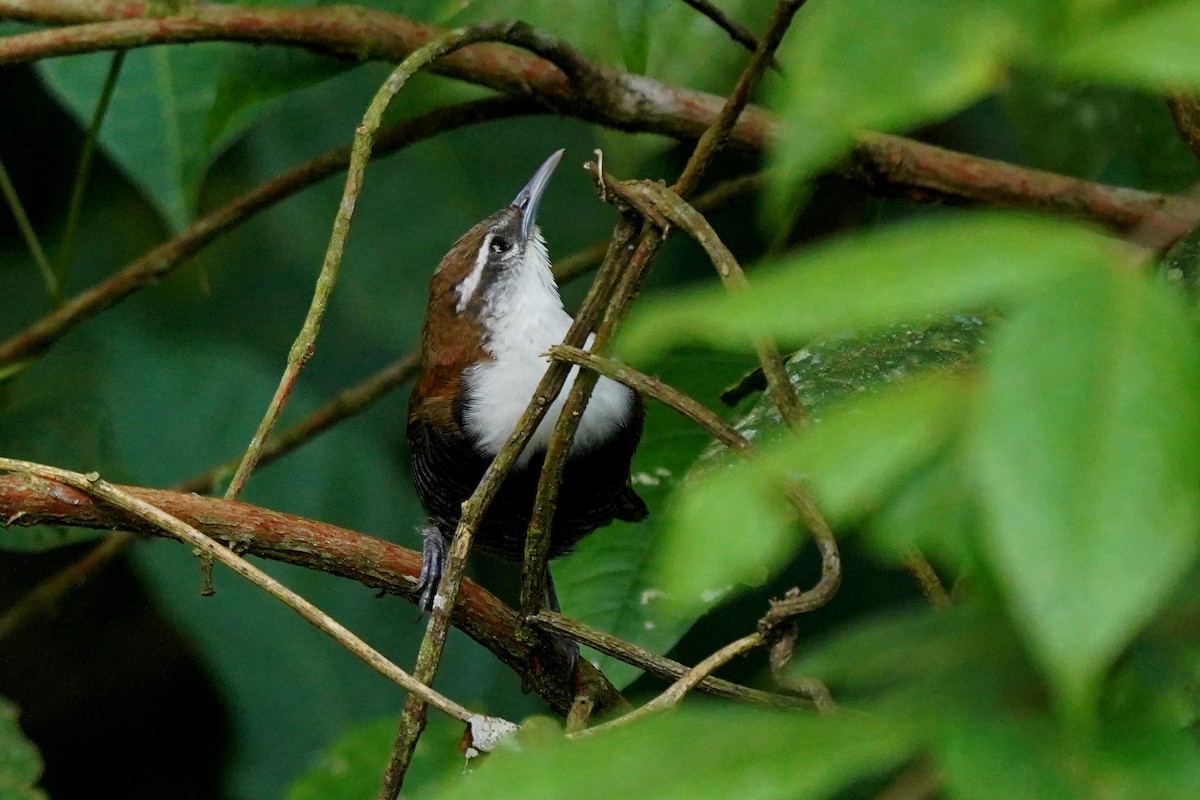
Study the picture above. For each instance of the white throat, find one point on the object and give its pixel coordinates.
(524, 316)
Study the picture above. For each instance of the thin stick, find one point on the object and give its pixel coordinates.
(676, 691)
(736, 30)
(93, 485)
(62, 262)
(30, 235)
(717, 134)
(537, 539)
(658, 199)
(670, 397)
(360, 153)
(412, 717)
(658, 665)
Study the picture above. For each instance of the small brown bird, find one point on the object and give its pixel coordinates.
(494, 310)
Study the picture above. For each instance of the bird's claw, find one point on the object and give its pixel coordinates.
(433, 558)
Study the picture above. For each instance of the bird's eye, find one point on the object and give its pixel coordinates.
(500, 245)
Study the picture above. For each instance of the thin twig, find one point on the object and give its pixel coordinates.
(92, 484)
(62, 261)
(658, 199)
(717, 134)
(360, 153)
(926, 578)
(736, 30)
(659, 665)
(412, 717)
(30, 235)
(537, 539)
(309, 544)
(672, 398)
(676, 691)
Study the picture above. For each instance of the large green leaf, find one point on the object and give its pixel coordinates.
(913, 62)
(20, 763)
(733, 525)
(898, 273)
(728, 752)
(1087, 454)
(154, 130)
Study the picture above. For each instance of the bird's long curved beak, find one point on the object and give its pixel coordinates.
(528, 199)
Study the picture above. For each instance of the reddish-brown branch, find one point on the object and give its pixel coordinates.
(886, 164)
(294, 540)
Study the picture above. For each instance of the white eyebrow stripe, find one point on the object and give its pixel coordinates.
(467, 286)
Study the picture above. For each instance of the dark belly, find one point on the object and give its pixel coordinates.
(595, 489)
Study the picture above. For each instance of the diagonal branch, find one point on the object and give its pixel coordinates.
(314, 545)
(887, 165)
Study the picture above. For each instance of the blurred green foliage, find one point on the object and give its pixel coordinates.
(1045, 461)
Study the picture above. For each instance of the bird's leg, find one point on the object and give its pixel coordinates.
(433, 558)
(569, 646)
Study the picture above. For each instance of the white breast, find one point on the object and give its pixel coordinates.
(524, 321)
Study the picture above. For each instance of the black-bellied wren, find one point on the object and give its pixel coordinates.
(494, 310)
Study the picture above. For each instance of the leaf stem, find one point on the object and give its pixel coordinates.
(62, 262)
(27, 232)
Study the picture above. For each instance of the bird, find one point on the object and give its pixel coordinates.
(494, 310)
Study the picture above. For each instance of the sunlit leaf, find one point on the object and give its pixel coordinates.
(729, 752)
(902, 272)
(733, 525)
(1088, 460)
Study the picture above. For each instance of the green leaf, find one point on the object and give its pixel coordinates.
(931, 58)
(1155, 46)
(902, 272)
(923, 660)
(1088, 460)
(20, 763)
(1039, 762)
(973, 751)
(728, 752)
(154, 130)
(734, 526)
(934, 512)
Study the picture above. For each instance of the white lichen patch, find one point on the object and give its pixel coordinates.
(485, 733)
